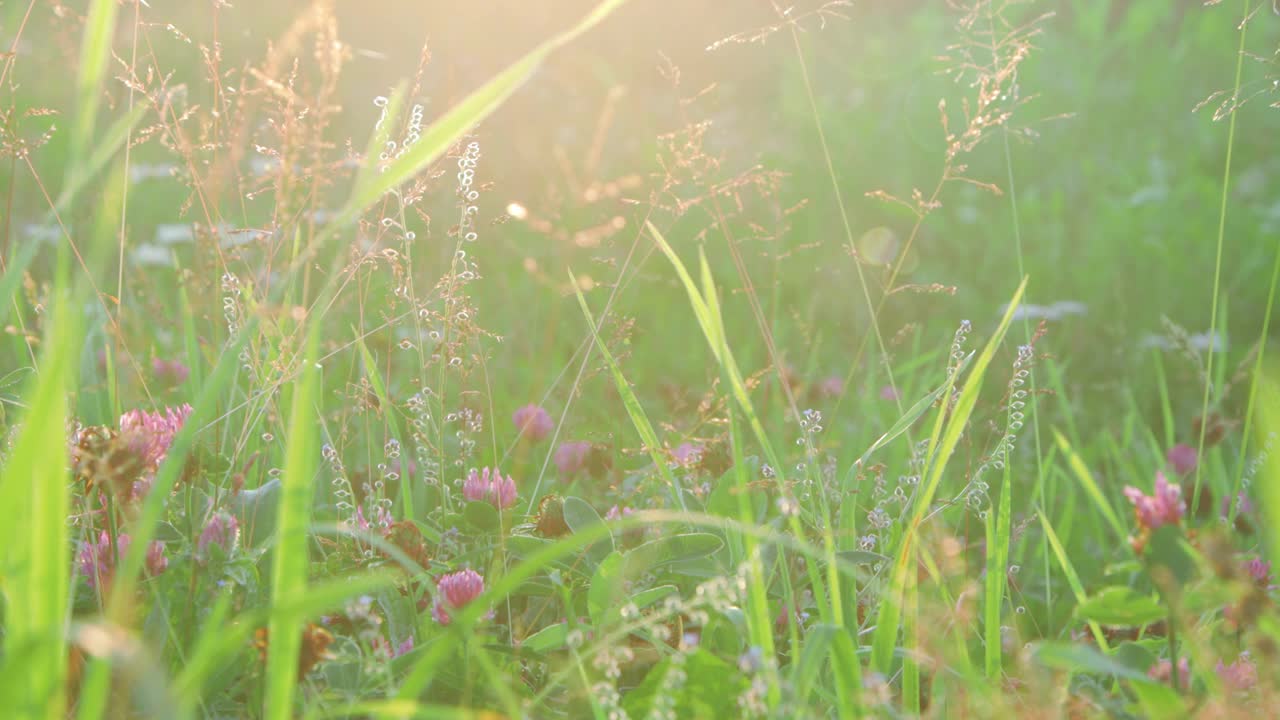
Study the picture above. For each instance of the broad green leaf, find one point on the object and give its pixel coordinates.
(606, 591)
(551, 637)
(1157, 700)
(710, 689)
(1120, 607)
(256, 511)
(482, 516)
(1079, 658)
(579, 515)
(670, 549)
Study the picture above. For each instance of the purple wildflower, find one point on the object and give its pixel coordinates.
(533, 423)
(1259, 571)
(832, 386)
(889, 392)
(571, 458)
(1163, 672)
(616, 513)
(784, 617)
(454, 592)
(1244, 506)
(1164, 507)
(170, 372)
(95, 560)
(1240, 675)
(687, 454)
(403, 647)
(151, 433)
(491, 487)
(156, 561)
(222, 530)
(97, 564)
(386, 650)
(1182, 458)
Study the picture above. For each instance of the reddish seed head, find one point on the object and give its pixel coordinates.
(1182, 458)
(491, 487)
(571, 458)
(1164, 507)
(454, 592)
(533, 423)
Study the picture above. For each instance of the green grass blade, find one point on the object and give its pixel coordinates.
(95, 54)
(477, 106)
(629, 400)
(942, 443)
(217, 648)
(1091, 487)
(1073, 578)
(906, 421)
(1268, 484)
(706, 308)
(34, 561)
(144, 527)
(16, 266)
(291, 560)
(105, 148)
(389, 412)
(999, 531)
